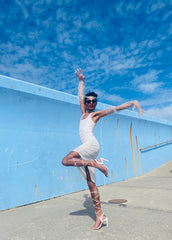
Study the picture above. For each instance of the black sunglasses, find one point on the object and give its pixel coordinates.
(91, 101)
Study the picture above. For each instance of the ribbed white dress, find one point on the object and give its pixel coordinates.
(90, 146)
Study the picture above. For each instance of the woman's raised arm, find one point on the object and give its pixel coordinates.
(81, 78)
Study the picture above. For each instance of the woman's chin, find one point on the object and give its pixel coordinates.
(90, 109)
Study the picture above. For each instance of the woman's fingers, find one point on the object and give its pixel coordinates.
(79, 74)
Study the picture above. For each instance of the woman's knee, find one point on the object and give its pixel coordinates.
(64, 161)
(91, 184)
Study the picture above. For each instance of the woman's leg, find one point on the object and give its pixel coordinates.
(74, 159)
(96, 199)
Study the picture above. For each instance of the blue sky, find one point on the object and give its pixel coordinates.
(123, 47)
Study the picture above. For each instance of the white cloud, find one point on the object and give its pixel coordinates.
(167, 15)
(92, 25)
(23, 8)
(113, 60)
(162, 97)
(122, 7)
(163, 113)
(147, 83)
(120, 59)
(102, 95)
(170, 75)
(61, 15)
(133, 6)
(170, 29)
(158, 5)
(55, 41)
(148, 77)
(148, 88)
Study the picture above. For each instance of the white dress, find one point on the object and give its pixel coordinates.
(90, 146)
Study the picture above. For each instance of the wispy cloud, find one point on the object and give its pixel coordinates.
(163, 97)
(154, 6)
(147, 83)
(113, 98)
(123, 47)
(149, 87)
(163, 113)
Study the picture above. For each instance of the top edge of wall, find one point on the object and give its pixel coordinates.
(27, 87)
(22, 86)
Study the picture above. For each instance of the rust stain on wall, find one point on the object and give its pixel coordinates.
(36, 192)
(105, 120)
(132, 151)
(155, 137)
(112, 176)
(126, 166)
(117, 125)
(138, 156)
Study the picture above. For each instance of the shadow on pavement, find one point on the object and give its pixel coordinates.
(89, 208)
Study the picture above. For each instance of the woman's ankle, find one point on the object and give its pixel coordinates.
(99, 214)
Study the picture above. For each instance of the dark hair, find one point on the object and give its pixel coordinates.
(90, 94)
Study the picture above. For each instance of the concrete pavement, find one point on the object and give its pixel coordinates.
(147, 214)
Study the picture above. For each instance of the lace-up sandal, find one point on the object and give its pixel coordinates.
(104, 169)
(102, 219)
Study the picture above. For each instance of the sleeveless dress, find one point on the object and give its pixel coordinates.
(90, 146)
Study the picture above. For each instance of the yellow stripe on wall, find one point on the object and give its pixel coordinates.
(132, 151)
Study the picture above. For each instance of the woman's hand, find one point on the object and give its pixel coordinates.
(80, 75)
(137, 105)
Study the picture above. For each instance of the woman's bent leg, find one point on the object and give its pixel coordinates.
(74, 159)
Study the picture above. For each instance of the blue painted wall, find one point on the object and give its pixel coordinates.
(39, 126)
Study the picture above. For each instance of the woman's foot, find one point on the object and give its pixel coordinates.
(102, 167)
(100, 221)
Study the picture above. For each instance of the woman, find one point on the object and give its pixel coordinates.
(84, 156)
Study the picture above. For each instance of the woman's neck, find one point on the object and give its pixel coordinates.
(89, 111)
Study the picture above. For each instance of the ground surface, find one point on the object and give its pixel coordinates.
(147, 214)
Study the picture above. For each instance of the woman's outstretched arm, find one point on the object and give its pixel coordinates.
(134, 104)
(81, 78)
